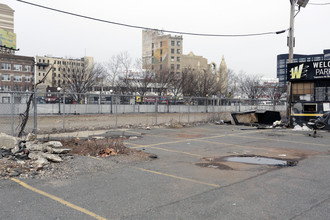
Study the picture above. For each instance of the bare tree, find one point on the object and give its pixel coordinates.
(250, 85)
(144, 78)
(206, 84)
(275, 92)
(188, 81)
(163, 79)
(112, 72)
(232, 89)
(125, 78)
(79, 78)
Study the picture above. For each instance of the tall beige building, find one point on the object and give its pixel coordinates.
(7, 35)
(161, 52)
(60, 70)
(6, 18)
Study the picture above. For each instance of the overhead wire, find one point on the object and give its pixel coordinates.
(155, 29)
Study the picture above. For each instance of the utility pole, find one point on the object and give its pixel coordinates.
(291, 44)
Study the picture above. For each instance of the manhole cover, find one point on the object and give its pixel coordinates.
(261, 160)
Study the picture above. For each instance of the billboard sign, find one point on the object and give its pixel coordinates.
(7, 39)
(317, 70)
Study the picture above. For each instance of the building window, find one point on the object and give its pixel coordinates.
(5, 77)
(161, 51)
(27, 68)
(54, 61)
(5, 66)
(172, 50)
(17, 88)
(27, 78)
(161, 43)
(178, 43)
(172, 59)
(152, 45)
(178, 66)
(18, 67)
(59, 75)
(17, 79)
(39, 74)
(152, 67)
(161, 59)
(172, 43)
(5, 88)
(172, 66)
(178, 51)
(161, 67)
(27, 88)
(178, 59)
(152, 53)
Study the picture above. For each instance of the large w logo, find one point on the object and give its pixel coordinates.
(296, 71)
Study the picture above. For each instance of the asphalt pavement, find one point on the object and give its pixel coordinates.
(173, 186)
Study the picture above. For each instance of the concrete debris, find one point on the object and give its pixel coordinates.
(22, 156)
(7, 141)
(31, 137)
(54, 144)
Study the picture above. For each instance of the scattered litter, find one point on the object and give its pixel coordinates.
(301, 128)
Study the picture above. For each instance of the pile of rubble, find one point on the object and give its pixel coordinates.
(18, 156)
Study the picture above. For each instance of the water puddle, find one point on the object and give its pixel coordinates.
(261, 160)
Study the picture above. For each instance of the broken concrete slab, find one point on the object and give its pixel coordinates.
(54, 144)
(7, 141)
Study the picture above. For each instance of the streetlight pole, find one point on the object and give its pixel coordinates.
(111, 101)
(59, 100)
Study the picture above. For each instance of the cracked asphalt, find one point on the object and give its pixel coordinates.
(174, 187)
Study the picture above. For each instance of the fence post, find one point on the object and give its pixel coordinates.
(35, 116)
(189, 101)
(213, 100)
(12, 113)
(116, 108)
(156, 109)
(64, 104)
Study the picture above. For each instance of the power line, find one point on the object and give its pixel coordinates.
(326, 3)
(141, 27)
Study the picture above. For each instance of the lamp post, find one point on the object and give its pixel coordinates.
(59, 99)
(111, 101)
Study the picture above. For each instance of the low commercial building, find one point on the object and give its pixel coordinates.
(310, 91)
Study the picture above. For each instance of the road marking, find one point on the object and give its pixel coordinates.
(152, 146)
(164, 149)
(295, 142)
(95, 157)
(178, 177)
(66, 203)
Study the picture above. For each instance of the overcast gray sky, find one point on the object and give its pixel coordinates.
(43, 32)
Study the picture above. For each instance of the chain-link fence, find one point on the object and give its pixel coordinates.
(53, 112)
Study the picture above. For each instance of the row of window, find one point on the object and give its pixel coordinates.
(16, 78)
(62, 62)
(15, 67)
(178, 43)
(19, 88)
